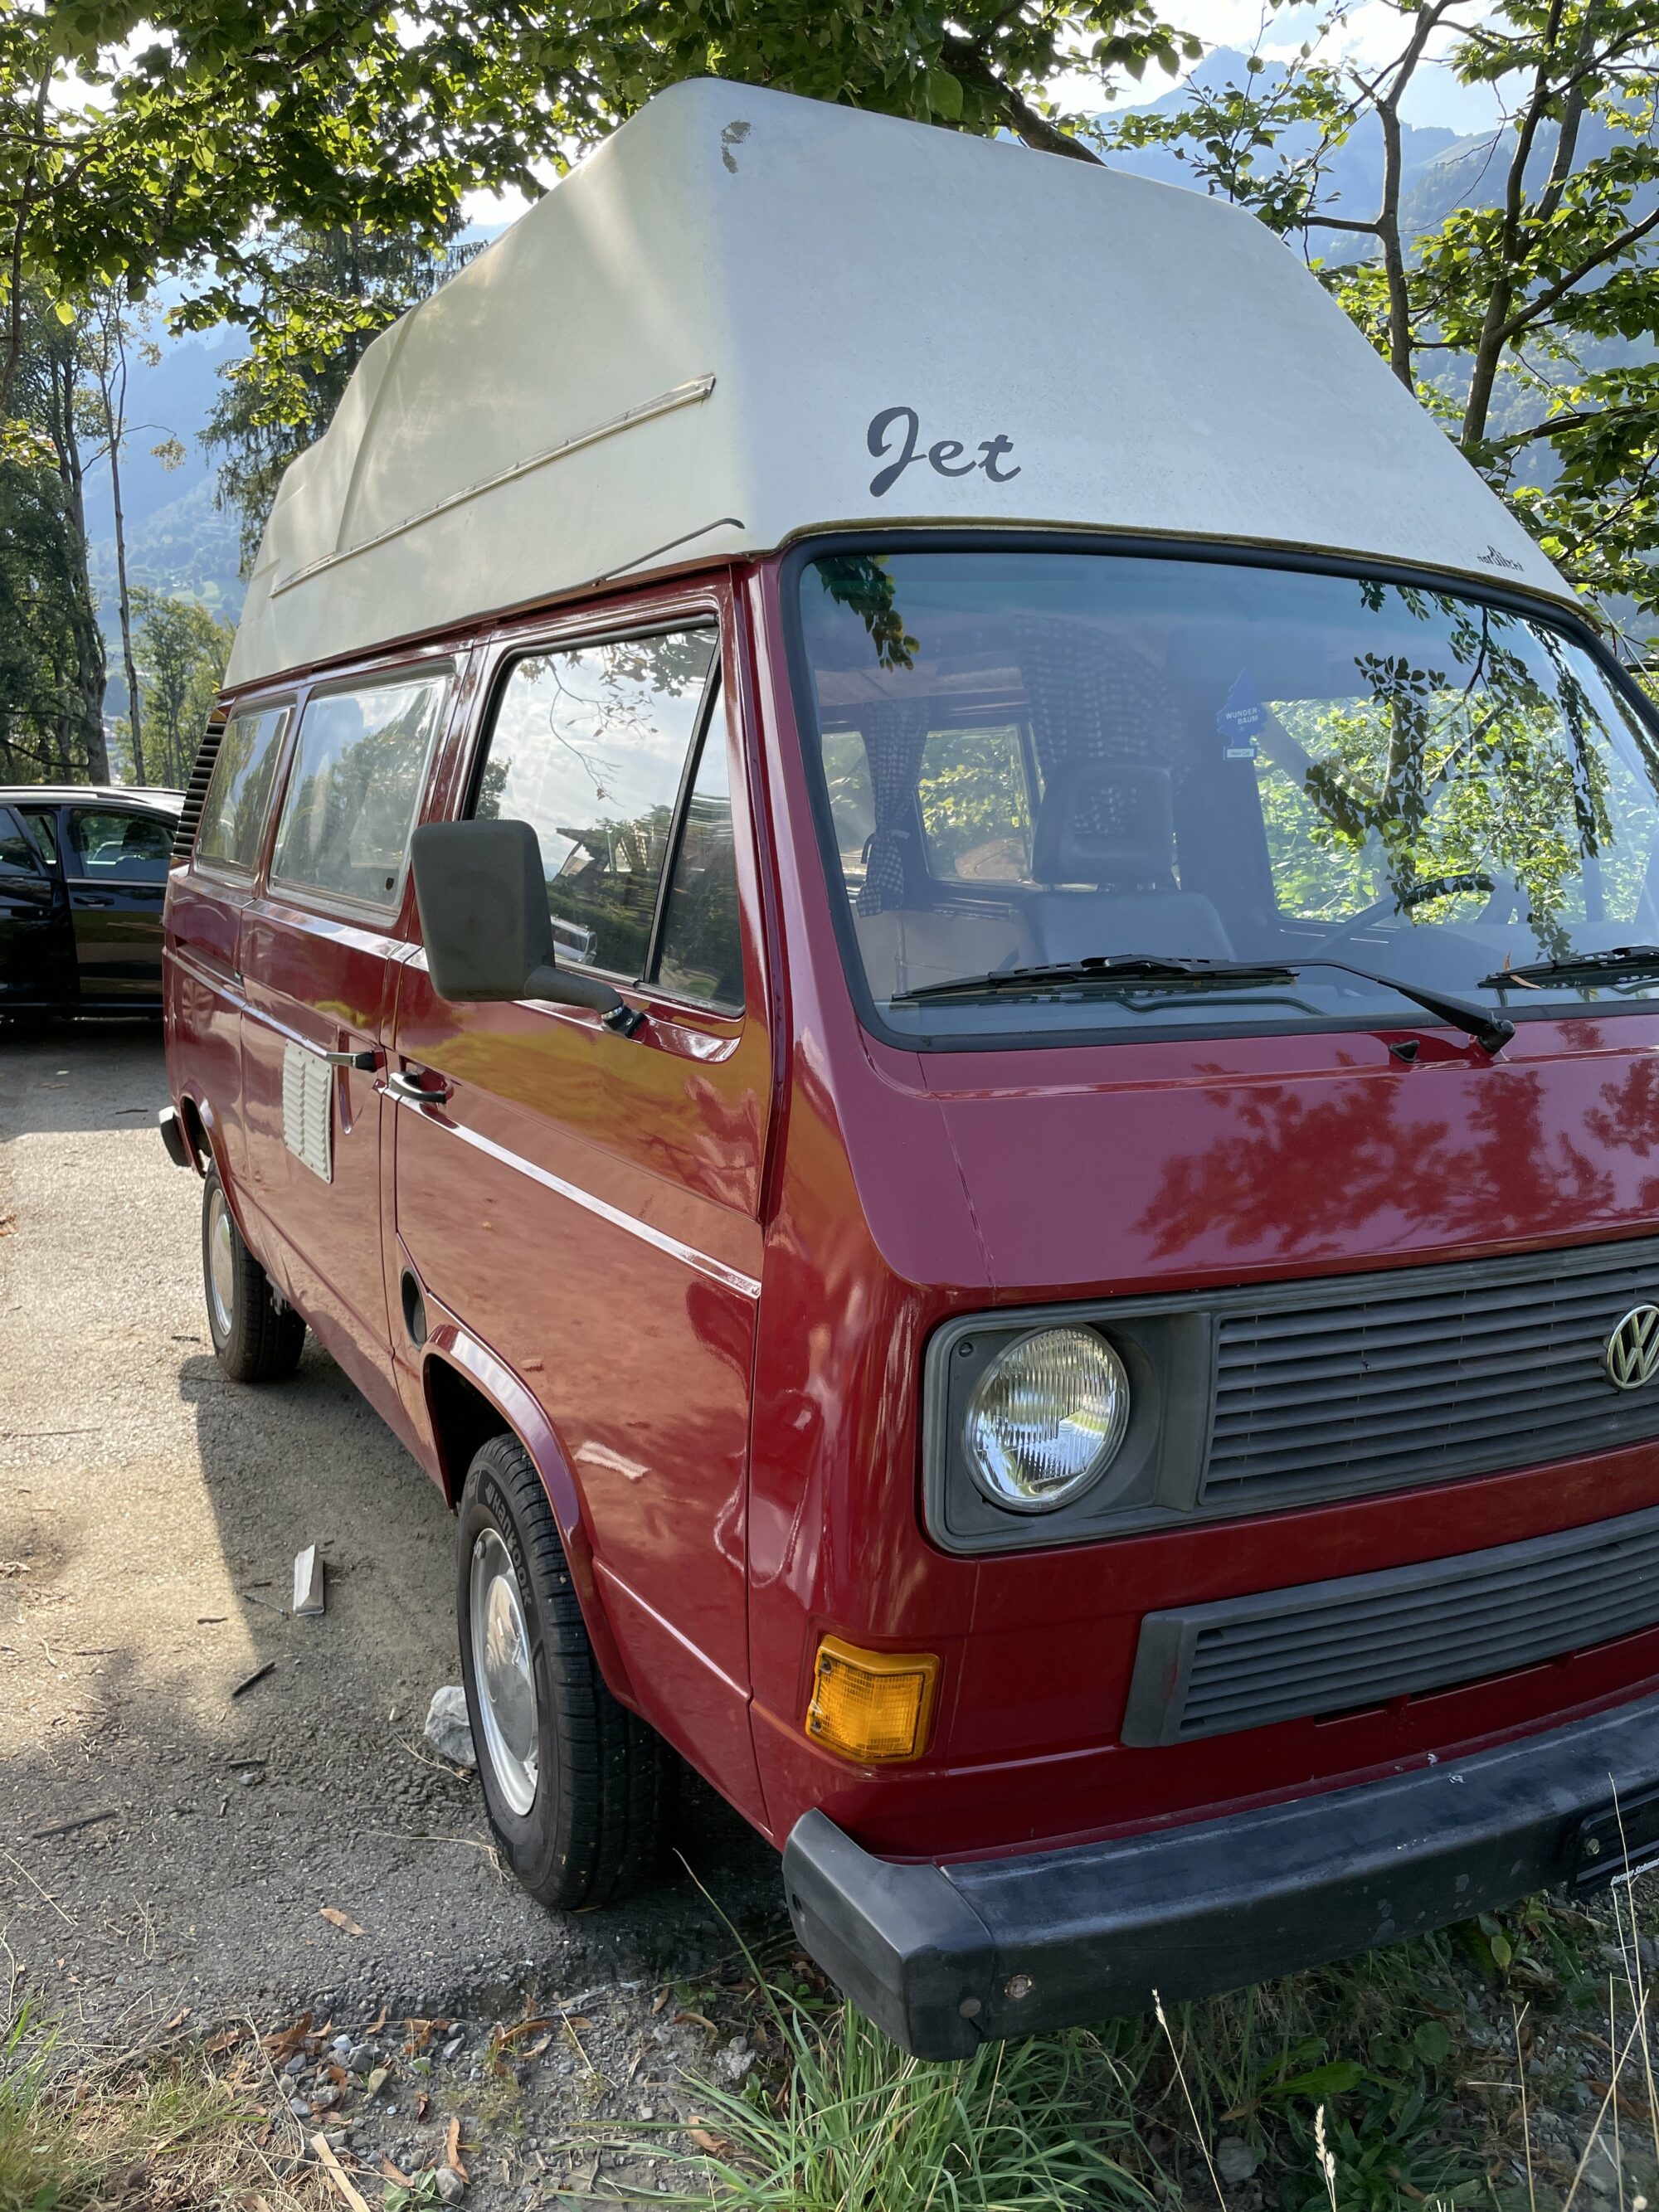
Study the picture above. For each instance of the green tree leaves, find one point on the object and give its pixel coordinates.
(1523, 320)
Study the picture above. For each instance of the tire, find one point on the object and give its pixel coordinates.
(582, 1818)
(256, 1338)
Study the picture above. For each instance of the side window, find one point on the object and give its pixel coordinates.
(975, 808)
(353, 787)
(43, 828)
(702, 955)
(589, 746)
(852, 806)
(120, 849)
(234, 812)
(17, 855)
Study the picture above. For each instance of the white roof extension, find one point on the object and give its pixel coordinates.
(683, 352)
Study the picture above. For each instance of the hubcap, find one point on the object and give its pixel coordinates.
(222, 1264)
(501, 1671)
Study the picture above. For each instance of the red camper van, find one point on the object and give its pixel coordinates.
(946, 980)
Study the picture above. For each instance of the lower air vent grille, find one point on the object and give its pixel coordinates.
(1332, 1390)
(196, 792)
(1338, 1646)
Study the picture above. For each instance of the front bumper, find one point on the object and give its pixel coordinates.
(944, 1957)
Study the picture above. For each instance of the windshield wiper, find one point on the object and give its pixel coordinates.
(1491, 1031)
(1107, 967)
(1617, 960)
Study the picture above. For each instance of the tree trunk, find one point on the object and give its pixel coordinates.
(114, 425)
(90, 663)
(1483, 370)
(1393, 258)
(1489, 347)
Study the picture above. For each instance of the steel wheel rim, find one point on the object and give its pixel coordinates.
(502, 1675)
(222, 1264)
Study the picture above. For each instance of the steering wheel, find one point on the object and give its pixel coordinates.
(1417, 894)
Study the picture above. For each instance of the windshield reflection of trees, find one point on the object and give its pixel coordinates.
(1475, 757)
(348, 824)
(1488, 769)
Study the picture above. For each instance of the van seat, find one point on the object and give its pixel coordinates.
(1104, 841)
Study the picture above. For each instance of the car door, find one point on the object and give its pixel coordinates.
(315, 945)
(32, 929)
(115, 863)
(586, 1203)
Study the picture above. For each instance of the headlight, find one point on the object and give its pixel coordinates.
(1046, 1419)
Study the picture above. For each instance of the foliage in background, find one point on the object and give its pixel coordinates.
(322, 297)
(136, 138)
(179, 651)
(1525, 324)
(51, 651)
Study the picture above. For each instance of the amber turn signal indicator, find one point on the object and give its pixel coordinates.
(872, 1705)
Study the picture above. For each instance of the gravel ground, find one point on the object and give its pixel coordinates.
(165, 1842)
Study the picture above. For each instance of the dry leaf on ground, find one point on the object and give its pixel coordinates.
(452, 2147)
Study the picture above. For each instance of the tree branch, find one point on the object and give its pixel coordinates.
(968, 60)
(1632, 236)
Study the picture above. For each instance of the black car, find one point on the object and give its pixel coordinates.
(83, 870)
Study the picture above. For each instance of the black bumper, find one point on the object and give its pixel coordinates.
(173, 1137)
(946, 1957)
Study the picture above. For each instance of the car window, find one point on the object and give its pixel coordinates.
(702, 955)
(43, 828)
(119, 848)
(17, 855)
(234, 812)
(975, 805)
(589, 746)
(852, 805)
(354, 786)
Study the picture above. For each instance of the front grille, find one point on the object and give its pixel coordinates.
(1339, 1646)
(1333, 1388)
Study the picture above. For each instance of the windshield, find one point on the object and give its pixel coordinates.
(1032, 760)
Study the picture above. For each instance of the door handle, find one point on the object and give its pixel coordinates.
(364, 1062)
(401, 1084)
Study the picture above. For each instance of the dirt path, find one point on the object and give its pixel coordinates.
(150, 1513)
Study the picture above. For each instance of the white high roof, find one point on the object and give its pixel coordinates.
(679, 353)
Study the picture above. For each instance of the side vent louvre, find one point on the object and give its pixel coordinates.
(196, 790)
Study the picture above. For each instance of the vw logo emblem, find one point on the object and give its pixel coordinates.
(1632, 1355)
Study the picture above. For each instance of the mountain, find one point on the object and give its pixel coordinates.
(1354, 170)
(178, 541)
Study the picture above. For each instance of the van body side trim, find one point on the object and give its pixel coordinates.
(665, 403)
(716, 1270)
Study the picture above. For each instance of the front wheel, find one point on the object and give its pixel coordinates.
(577, 1789)
(257, 1337)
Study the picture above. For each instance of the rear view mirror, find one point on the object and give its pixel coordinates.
(482, 900)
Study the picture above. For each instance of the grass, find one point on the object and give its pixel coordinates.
(1494, 2065)
(165, 2132)
(1506, 2064)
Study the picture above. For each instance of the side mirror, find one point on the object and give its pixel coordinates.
(482, 900)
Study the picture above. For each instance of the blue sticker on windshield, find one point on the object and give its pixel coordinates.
(1242, 718)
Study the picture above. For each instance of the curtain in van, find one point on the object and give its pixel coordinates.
(894, 734)
(1092, 699)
